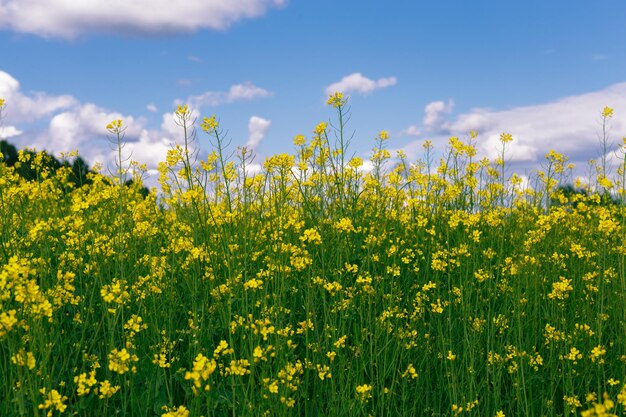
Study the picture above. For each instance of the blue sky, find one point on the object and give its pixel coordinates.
(540, 70)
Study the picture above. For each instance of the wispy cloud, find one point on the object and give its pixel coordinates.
(70, 19)
(357, 83)
(598, 57)
(238, 92)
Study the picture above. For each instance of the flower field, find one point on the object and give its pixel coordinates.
(439, 285)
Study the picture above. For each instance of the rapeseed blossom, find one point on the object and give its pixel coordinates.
(53, 401)
(336, 100)
(325, 281)
(364, 392)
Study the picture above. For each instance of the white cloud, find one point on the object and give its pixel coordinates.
(238, 92)
(150, 148)
(246, 91)
(71, 125)
(7, 132)
(85, 121)
(569, 125)
(368, 166)
(357, 83)
(257, 128)
(152, 108)
(411, 131)
(84, 128)
(26, 108)
(253, 169)
(435, 112)
(69, 19)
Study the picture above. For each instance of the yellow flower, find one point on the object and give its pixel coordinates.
(320, 129)
(84, 382)
(272, 386)
(203, 367)
(597, 354)
(312, 236)
(180, 411)
(561, 289)
(289, 402)
(106, 390)
(255, 284)
(341, 342)
(53, 400)
(607, 112)
(238, 367)
(323, 371)
(161, 360)
(344, 225)
(364, 392)
(209, 124)
(135, 324)
(410, 372)
(506, 137)
(221, 349)
(120, 360)
(23, 358)
(600, 409)
(182, 110)
(355, 162)
(336, 100)
(299, 140)
(1, 102)
(115, 126)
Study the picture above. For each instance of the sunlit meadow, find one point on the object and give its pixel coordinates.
(436, 286)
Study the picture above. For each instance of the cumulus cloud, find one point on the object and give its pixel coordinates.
(27, 108)
(150, 148)
(7, 132)
(238, 92)
(62, 123)
(77, 128)
(69, 19)
(435, 114)
(569, 125)
(357, 83)
(257, 128)
(411, 131)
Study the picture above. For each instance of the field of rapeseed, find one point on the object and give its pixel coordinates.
(314, 287)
